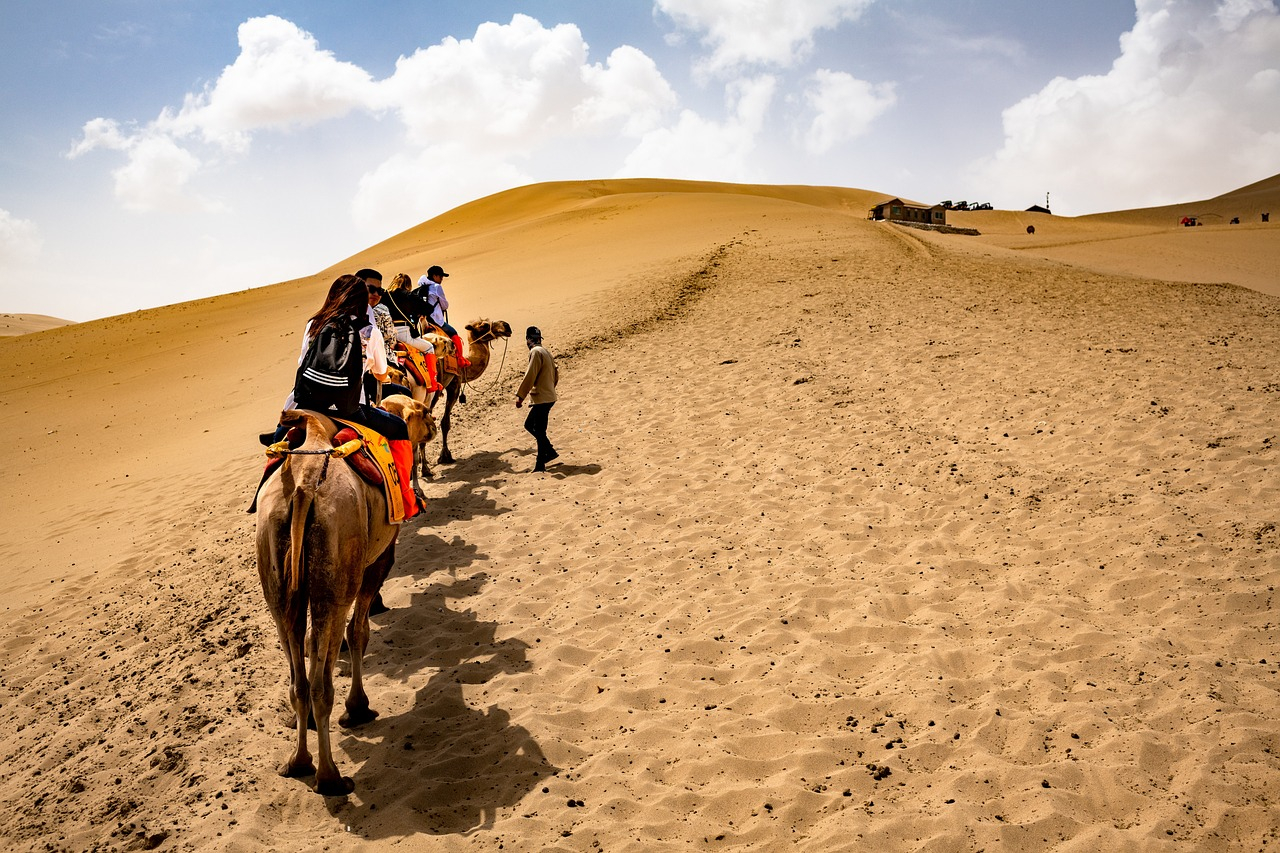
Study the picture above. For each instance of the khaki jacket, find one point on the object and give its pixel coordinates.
(540, 378)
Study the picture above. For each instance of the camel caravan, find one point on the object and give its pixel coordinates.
(342, 477)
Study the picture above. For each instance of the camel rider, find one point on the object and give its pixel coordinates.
(406, 308)
(347, 307)
(431, 289)
(373, 389)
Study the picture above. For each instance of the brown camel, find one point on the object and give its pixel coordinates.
(324, 543)
(479, 335)
(422, 428)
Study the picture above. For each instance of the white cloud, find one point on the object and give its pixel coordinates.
(767, 32)
(20, 242)
(515, 86)
(1190, 109)
(697, 148)
(477, 111)
(629, 89)
(156, 172)
(473, 110)
(280, 79)
(844, 108)
(100, 133)
(156, 177)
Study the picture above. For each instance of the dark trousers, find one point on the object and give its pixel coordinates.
(536, 424)
(389, 425)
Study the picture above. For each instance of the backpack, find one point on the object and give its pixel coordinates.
(332, 370)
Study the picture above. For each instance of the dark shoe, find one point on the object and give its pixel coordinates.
(539, 468)
(267, 438)
(550, 456)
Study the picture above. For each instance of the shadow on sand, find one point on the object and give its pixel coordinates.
(444, 766)
(555, 468)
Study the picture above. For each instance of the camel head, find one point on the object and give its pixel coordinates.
(483, 330)
(397, 375)
(419, 421)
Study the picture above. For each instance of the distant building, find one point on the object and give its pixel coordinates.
(897, 210)
(1035, 208)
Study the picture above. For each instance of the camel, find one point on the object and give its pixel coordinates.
(324, 544)
(479, 335)
(422, 428)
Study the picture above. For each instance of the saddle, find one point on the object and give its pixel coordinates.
(376, 464)
(412, 360)
(372, 461)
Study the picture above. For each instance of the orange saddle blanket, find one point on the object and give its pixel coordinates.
(412, 360)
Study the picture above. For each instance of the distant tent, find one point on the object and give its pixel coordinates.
(1035, 208)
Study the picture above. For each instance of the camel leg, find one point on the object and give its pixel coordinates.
(326, 637)
(358, 710)
(292, 639)
(446, 458)
(292, 642)
(420, 456)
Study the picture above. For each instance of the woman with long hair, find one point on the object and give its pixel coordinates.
(346, 312)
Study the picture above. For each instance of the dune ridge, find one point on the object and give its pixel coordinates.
(861, 538)
(1150, 242)
(22, 324)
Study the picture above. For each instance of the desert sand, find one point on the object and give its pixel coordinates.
(23, 324)
(861, 538)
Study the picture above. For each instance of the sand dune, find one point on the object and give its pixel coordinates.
(22, 324)
(861, 538)
(1150, 243)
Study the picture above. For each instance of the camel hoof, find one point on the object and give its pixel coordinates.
(357, 717)
(339, 787)
(295, 769)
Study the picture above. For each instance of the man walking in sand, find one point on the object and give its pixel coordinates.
(539, 384)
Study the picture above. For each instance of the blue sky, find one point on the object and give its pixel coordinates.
(156, 151)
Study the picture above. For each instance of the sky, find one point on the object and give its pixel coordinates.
(157, 151)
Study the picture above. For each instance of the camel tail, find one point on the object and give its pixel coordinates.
(295, 569)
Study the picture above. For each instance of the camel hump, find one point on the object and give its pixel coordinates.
(319, 428)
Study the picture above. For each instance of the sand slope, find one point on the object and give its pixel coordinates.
(22, 324)
(1151, 242)
(860, 539)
